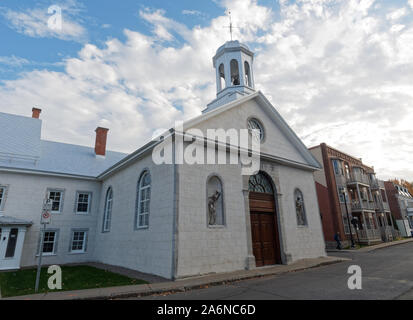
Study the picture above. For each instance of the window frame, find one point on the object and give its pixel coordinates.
(89, 203)
(61, 200)
(84, 244)
(138, 213)
(105, 211)
(55, 242)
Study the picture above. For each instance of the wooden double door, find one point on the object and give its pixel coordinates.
(264, 229)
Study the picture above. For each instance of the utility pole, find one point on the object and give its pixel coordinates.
(44, 220)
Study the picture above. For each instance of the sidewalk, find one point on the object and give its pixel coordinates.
(181, 285)
(374, 247)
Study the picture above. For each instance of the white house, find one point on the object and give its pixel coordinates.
(173, 219)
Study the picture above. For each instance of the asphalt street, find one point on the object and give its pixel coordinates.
(386, 274)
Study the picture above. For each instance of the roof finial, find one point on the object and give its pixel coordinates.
(231, 27)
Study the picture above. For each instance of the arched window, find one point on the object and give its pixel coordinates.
(234, 73)
(222, 83)
(260, 183)
(143, 200)
(215, 198)
(300, 208)
(247, 74)
(107, 215)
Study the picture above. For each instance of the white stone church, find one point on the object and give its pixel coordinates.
(174, 219)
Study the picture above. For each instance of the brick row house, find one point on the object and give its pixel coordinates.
(344, 182)
(401, 205)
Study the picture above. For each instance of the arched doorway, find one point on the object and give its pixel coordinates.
(264, 224)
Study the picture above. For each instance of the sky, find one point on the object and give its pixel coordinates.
(338, 71)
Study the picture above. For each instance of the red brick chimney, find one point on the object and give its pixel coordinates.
(36, 113)
(100, 144)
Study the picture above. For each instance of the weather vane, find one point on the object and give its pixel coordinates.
(231, 27)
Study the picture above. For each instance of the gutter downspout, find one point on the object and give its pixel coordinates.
(175, 222)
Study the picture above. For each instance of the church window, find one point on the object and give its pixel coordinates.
(247, 74)
(254, 124)
(299, 208)
(143, 199)
(222, 83)
(107, 215)
(235, 81)
(260, 183)
(215, 201)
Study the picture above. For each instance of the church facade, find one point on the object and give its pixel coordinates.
(174, 218)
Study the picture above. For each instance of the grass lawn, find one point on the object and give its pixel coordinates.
(22, 282)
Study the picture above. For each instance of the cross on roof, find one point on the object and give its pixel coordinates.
(230, 24)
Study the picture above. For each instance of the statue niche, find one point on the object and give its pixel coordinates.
(215, 202)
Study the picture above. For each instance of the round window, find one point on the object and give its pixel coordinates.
(258, 133)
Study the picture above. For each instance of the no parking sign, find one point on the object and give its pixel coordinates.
(46, 216)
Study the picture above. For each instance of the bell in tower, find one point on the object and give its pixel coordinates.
(233, 63)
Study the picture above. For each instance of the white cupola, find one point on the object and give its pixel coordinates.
(233, 63)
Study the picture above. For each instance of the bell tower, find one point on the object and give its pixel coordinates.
(233, 63)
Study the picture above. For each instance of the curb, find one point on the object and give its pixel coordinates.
(375, 247)
(207, 284)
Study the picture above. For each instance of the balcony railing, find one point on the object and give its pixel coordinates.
(358, 177)
(363, 205)
(379, 206)
(374, 185)
(369, 234)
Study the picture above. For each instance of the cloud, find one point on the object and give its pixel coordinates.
(192, 12)
(397, 14)
(338, 71)
(13, 61)
(36, 22)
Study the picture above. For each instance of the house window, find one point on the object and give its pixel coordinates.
(341, 191)
(107, 215)
(299, 208)
(215, 201)
(79, 239)
(337, 167)
(50, 242)
(346, 225)
(83, 202)
(57, 200)
(2, 197)
(143, 199)
(347, 170)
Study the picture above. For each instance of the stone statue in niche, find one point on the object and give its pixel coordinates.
(299, 206)
(212, 201)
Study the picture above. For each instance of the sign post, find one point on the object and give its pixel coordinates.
(44, 220)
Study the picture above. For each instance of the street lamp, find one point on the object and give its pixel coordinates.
(348, 218)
